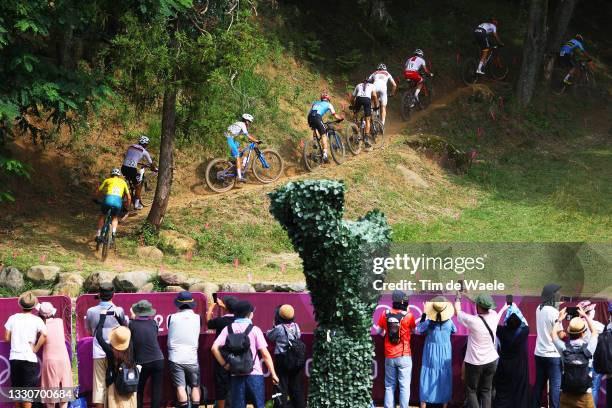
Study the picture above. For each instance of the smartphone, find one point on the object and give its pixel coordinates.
(509, 300)
(572, 311)
(214, 295)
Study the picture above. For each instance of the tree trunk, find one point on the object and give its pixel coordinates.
(166, 158)
(561, 20)
(533, 51)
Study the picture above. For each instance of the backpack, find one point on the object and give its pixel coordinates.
(602, 359)
(576, 377)
(237, 351)
(394, 321)
(294, 358)
(127, 379)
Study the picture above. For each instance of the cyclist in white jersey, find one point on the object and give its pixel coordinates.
(365, 95)
(381, 77)
(237, 130)
(483, 34)
(129, 169)
(412, 71)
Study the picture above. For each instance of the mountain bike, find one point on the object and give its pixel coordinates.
(409, 101)
(147, 185)
(355, 132)
(494, 67)
(266, 165)
(106, 237)
(313, 148)
(584, 87)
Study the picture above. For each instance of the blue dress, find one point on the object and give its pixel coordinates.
(436, 385)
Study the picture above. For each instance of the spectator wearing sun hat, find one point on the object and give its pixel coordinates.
(481, 354)
(147, 353)
(286, 330)
(183, 340)
(26, 333)
(56, 370)
(436, 382)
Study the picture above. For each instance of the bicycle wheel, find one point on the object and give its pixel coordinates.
(378, 134)
(336, 146)
(497, 68)
(406, 102)
(468, 71)
(268, 167)
(353, 138)
(106, 241)
(312, 154)
(219, 175)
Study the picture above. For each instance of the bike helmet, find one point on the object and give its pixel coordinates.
(419, 52)
(248, 117)
(115, 172)
(143, 141)
(382, 67)
(579, 38)
(495, 21)
(325, 96)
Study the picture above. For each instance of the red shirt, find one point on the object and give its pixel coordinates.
(407, 324)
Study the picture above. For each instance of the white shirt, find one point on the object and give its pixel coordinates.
(364, 90)
(134, 154)
(24, 328)
(481, 348)
(183, 337)
(237, 129)
(415, 63)
(380, 80)
(488, 27)
(545, 321)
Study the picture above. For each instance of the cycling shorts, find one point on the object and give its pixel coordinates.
(382, 97)
(234, 146)
(315, 121)
(413, 76)
(569, 60)
(366, 103)
(482, 38)
(113, 203)
(130, 174)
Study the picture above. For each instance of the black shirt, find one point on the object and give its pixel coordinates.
(144, 341)
(219, 323)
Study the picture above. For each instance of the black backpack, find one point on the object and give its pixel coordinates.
(394, 321)
(602, 359)
(576, 377)
(126, 382)
(294, 358)
(237, 351)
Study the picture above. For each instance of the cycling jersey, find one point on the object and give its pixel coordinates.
(415, 63)
(364, 90)
(490, 28)
(381, 78)
(115, 186)
(569, 47)
(322, 107)
(134, 154)
(237, 129)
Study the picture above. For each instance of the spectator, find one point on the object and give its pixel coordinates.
(577, 357)
(608, 377)
(222, 377)
(547, 358)
(115, 316)
(481, 355)
(512, 375)
(183, 339)
(22, 330)
(147, 353)
(397, 325)
(290, 377)
(56, 370)
(436, 385)
(589, 309)
(252, 383)
(118, 352)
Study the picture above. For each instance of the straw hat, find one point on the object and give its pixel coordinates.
(439, 307)
(576, 326)
(120, 338)
(286, 312)
(27, 301)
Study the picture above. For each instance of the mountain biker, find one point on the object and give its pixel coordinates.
(236, 130)
(483, 34)
(412, 70)
(573, 54)
(381, 76)
(318, 109)
(365, 95)
(113, 190)
(129, 169)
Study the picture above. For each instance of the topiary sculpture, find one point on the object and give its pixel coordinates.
(336, 255)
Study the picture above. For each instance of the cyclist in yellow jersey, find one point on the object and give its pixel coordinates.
(112, 191)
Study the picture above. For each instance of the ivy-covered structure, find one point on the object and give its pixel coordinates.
(336, 255)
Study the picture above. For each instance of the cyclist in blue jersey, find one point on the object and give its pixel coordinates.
(237, 130)
(317, 110)
(573, 54)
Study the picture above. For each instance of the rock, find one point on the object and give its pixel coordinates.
(207, 288)
(236, 287)
(192, 281)
(93, 281)
(173, 288)
(264, 286)
(41, 292)
(70, 284)
(173, 279)
(132, 281)
(411, 177)
(11, 277)
(40, 274)
(147, 288)
(295, 287)
(149, 253)
(177, 242)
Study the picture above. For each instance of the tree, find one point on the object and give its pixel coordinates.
(560, 22)
(533, 51)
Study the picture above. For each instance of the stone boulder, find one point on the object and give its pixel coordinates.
(290, 287)
(70, 284)
(43, 274)
(132, 281)
(11, 278)
(93, 281)
(177, 242)
(173, 288)
(41, 292)
(173, 279)
(147, 288)
(236, 287)
(207, 288)
(149, 253)
(264, 286)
